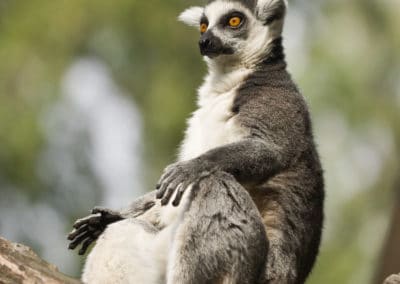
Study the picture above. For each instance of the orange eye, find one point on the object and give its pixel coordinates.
(235, 22)
(203, 27)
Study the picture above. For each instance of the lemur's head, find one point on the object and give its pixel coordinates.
(237, 29)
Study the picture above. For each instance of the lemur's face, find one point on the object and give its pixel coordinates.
(236, 28)
(224, 28)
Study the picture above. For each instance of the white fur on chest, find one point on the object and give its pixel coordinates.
(213, 124)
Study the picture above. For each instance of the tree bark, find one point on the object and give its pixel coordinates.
(394, 279)
(19, 264)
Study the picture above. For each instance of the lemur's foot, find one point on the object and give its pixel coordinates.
(88, 229)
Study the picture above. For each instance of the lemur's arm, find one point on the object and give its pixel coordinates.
(88, 229)
(251, 160)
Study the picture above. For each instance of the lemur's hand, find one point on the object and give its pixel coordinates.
(179, 176)
(88, 229)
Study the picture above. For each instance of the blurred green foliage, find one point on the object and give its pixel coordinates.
(352, 68)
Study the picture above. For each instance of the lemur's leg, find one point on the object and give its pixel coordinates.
(88, 229)
(221, 237)
(293, 227)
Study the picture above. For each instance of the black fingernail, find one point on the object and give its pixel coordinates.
(158, 186)
(175, 203)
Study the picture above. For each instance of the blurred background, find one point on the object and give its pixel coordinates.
(93, 100)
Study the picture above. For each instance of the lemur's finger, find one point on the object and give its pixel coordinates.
(169, 168)
(164, 186)
(107, 216)
(76, 232)
(180, 191)
(86, 245)
(167, 196)
(105, 212)
(79, 239)
(161, 191)
(70, 236)
(97, 234)
(169, 172)
(164, 178)
(174, 184)
(85, 220)
(89, 240)
(182, 188)
(99, 210)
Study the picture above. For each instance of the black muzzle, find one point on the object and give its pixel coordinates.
(212, 46)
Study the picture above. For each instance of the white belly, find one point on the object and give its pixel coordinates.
(124, 254)
(210, 126)
(128, 253)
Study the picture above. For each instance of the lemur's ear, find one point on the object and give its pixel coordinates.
(269, 11)
(192, 16)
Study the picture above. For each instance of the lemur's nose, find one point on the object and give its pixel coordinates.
(211, 46)
(204, 43)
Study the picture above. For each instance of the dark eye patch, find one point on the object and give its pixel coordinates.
(224, 21)
(204, 20)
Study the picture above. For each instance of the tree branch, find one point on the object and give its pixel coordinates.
(19, 264)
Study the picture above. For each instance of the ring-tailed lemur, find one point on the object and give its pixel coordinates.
(253, 124)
